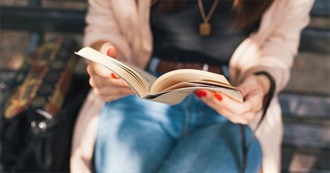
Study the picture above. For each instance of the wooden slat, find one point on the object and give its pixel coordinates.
(310, 120)
(305, 160)
(42, 19)
(300, 105)
(315, 40)
(305, 135)
(321, 8)
(319, 23)
(310, 74)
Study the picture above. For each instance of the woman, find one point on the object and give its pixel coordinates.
(201, 134)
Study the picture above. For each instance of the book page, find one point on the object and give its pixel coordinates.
(177, 95)
(149, 78)
(184, 75)
(194, 83)
(128, 74)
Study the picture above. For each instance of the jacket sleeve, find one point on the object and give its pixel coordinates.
(102, 25)
(276, 53)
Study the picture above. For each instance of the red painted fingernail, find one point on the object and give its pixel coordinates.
(203, 93)
(114, 76)
(109, 52)
(197, 93)
(218, 96)
(200, 93)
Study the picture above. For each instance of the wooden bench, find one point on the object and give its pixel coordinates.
(306, 106)
(305, 102)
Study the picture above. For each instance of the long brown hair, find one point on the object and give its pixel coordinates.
(247, 11)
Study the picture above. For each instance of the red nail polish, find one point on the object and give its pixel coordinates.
(108, 52)
(197, 94)
(114, 76)
(218, 96)
(200, 93)
(203, 93)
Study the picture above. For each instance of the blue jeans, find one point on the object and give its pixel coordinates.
(140, 136)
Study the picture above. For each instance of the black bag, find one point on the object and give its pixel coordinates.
(37, 124)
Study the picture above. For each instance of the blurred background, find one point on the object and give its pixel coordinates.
(25, 24)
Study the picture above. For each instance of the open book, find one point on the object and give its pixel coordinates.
(171, 87)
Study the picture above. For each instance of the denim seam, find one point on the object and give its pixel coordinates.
(186, 116)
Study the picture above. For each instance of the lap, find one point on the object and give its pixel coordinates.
(131, 142)
(214, 148)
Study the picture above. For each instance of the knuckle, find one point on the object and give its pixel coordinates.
(92, 82)
(247, 108)
(249, 116)
(88, 69)
(244, 122)
(259, 107)
(239, 111)
(235, 121)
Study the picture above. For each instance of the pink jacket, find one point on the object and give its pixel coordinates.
(125, 23)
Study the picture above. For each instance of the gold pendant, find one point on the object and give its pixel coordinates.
(205, 29)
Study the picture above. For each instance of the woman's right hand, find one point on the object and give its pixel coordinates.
(105, 83)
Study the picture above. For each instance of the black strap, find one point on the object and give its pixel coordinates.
(267, 100)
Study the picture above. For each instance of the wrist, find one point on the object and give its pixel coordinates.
(269, 87)
(264, 81)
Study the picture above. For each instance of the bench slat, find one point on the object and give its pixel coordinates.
(305, 160)
(306, 135)
(315, 40)
(42, 19)
(302, 105)
(321, 8)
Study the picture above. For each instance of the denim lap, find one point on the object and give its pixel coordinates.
(212, 149)
(140, 136)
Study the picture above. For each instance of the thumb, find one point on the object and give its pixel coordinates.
(112, 52)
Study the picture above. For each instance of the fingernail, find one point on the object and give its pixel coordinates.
(218, 96)
(200, 93)
(109, 52)
(114, 76)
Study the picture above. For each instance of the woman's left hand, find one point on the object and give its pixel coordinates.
(253, 88)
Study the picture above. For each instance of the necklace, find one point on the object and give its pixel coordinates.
(205, 27)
